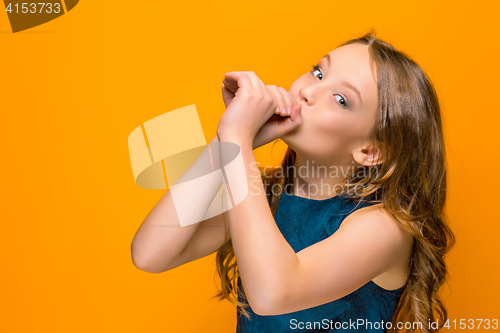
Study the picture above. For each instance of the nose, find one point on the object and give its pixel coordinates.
(307, 95)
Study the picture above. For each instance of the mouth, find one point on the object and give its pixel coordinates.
(302, 107)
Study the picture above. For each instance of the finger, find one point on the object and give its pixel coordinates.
(230, 82)
(241, 80)
(290, 101)
(227, 95)
(286, 125)
(280, 99)
(280, 109)
(256, 81)
(241, 77)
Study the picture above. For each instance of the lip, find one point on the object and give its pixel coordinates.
(301, 106)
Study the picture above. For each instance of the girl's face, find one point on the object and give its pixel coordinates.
(339, 102)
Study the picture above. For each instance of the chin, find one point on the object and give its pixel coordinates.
(290, 138)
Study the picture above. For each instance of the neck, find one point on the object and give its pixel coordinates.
(319, 180)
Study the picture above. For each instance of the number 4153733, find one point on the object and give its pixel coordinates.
(34, 8)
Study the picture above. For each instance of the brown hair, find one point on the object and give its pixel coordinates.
(411, 182)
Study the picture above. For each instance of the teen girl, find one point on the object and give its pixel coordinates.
(318, 250)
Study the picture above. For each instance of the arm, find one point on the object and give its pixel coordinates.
(277, 280)
(161, 243)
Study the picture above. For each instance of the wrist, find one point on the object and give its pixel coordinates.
(241, 141)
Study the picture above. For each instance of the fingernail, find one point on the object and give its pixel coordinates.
(289, 110)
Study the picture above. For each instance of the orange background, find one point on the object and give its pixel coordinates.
(74, 88)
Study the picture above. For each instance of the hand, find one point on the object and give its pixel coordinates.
(282, 120)
(249, 106)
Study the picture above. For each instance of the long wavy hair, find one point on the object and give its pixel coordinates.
(410, 182)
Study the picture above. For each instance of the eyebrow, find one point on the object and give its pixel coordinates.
(345, 83)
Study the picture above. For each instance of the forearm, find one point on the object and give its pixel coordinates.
(161, 236)
(265, 259)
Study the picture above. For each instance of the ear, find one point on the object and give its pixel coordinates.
(367, 155)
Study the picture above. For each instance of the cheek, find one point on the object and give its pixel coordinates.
(335, 129)
(320, 136)
(328, 124)
(300, 82)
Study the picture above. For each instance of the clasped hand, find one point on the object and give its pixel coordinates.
(256, 113)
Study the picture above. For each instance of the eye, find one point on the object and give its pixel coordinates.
(343, 101)
(317, 69)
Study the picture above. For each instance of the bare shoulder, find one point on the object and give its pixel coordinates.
(377, 216)
(378, 221)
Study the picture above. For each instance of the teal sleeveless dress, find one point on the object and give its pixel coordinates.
(304, 222)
